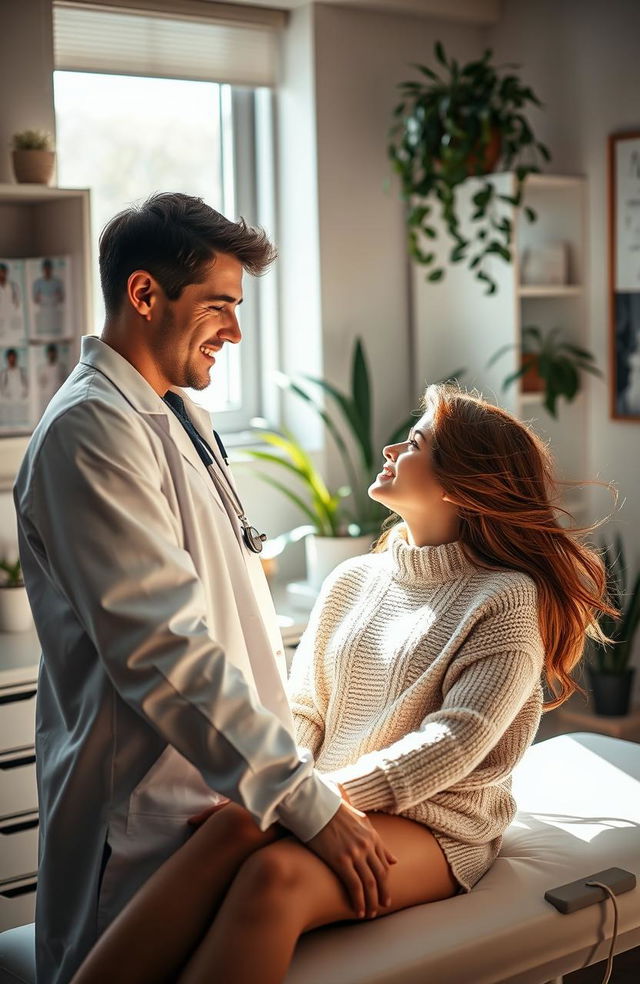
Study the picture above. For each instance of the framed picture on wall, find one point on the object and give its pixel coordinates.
(624, 253)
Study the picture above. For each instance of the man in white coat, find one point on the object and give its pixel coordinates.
(161, 680)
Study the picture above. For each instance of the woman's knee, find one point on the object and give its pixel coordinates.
(270, 877)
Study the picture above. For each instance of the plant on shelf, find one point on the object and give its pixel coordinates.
(455, 122)
(12, 571)
(15, 613)
(32, 140)
(33, 156)
(609, 663)
(558, 364)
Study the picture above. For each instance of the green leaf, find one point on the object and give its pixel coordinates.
(440, 55)
(351, 418)
(530, 213)
(317, 521)
(361, 390)
(435, 276)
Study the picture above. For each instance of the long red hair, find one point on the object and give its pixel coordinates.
(500, 476)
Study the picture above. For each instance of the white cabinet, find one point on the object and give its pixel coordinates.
(18, 797)
(456, 325)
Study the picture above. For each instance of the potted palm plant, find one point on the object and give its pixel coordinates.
(549, 365)
(609, 669)
(33, 157)
(342, 523)
(329, 535)
(15, 613)
(452, 122)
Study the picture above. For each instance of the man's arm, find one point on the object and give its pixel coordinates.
(96, 514)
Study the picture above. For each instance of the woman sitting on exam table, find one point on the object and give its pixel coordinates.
(417, 686)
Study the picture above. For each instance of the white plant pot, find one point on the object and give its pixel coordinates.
(324, 553)
(15, 613)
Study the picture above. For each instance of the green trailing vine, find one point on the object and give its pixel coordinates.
(445, 129)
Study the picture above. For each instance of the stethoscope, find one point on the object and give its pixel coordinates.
(252, 539)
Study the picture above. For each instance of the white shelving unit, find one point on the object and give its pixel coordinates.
(36, 220)
(456, 325)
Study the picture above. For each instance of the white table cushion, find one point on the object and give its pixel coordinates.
(579, 812)
(579, 798)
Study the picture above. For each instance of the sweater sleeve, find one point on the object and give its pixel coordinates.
(487, 683)
(307, 696)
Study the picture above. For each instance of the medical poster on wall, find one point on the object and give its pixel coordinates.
(624, 196)
(13, 327)
(49, 366)
(48, 293)
(15, 394)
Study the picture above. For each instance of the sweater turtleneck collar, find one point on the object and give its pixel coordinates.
(426, 565)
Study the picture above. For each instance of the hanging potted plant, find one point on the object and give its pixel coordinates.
(33, 157)
(15, 613)
(609, 669)
(549, 365)
(454, 122)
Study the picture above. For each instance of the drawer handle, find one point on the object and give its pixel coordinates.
(14, 893)
(14, 698)
(19, 825)
(28, 758)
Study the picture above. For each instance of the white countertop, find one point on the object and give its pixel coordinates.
(20, 651)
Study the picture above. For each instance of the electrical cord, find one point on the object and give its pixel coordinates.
(609, 967)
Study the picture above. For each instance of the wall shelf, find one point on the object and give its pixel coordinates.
(541, 290)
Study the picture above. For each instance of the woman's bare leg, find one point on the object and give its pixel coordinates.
(152, 938)
(284, 890)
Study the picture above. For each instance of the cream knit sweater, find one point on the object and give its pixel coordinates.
(417, 686)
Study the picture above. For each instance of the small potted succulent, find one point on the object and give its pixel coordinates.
(548, 365)
(453, 122)
(15, 613)
(609, 664)
(33, 157)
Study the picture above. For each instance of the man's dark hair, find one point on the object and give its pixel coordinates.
(11, 351)
(175, 237)
(4, 267)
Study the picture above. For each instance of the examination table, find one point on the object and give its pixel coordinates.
(579, 813)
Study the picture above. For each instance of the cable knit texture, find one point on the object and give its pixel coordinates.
(417, 686)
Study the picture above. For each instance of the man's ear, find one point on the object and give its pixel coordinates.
(142, 292)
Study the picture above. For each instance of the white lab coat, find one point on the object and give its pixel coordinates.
(161, 678)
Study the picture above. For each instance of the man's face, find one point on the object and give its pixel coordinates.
(46, 270)
(11, 360)
(187, 333)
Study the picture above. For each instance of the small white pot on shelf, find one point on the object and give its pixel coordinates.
(15, 612)
(324, 553)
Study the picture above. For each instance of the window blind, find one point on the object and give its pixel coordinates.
(211, 47)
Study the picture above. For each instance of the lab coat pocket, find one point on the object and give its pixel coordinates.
(173, 789)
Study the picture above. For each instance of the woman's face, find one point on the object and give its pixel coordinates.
(408, 486)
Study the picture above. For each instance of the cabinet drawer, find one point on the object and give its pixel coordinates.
(18, 846)
(18, 792)
(17, 903)
(17, 719)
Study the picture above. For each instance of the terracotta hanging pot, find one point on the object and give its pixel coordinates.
(532, 381)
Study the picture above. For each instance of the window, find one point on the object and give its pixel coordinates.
(126, 134)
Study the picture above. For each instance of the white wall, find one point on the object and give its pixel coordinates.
(26, 72)
(361, 56)
(581, 57)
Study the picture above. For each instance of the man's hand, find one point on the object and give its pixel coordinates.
(352, 848)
